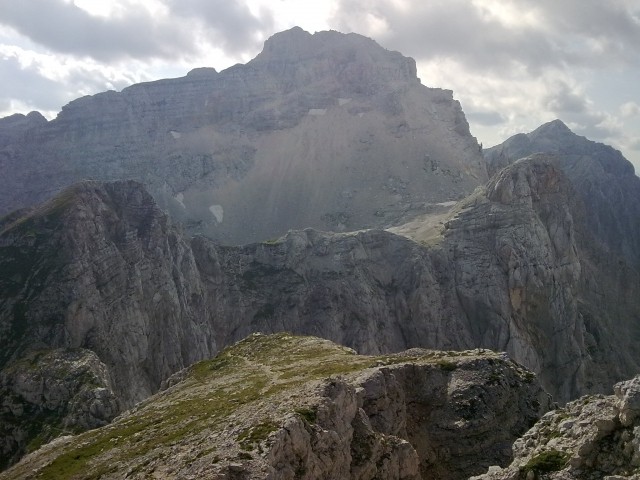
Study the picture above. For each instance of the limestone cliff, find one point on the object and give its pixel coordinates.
(329, 131)
(283, 407)
(594, 437)
(101, 268)
(602, 177)
(50, 393)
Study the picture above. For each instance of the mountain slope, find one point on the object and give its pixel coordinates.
(510, 268)
(329, 131)
(289, 407)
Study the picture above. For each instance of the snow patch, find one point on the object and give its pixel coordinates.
(175, 134)
(217, 211)
(343, 101)
(180, 199)
(317, 111)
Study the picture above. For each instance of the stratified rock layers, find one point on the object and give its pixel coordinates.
(510, 268)
(328, 131)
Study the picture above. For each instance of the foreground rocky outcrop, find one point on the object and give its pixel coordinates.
(329, 131)
(49, 393)
(595, 437)
(510, 268)
(284, 407)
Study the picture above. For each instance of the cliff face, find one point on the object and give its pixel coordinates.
(50, 392)
(509, 268)
(99, 267)
(283, 407)
(604, 180)
(328, 131)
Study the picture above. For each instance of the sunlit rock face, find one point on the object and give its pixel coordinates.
(511, 267)
(593, 437)
(329, 131)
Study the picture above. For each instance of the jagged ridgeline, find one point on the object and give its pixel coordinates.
(329, 131)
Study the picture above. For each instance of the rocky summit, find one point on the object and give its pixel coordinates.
(283, 407)
(328, 131)
(602, 177)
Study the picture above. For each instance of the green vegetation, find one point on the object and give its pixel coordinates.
(257, 433)
(310, 415)
(549, 461)
(447, 366)
(239, 381)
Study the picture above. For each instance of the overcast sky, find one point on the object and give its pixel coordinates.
(513, 64)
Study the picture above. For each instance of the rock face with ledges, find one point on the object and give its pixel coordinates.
(99, 267)
(329, 131)
(49, 393)
(510, 268)
(283, 407)
(602, 177)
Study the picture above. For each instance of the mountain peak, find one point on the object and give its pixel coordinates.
(340, 50)
(554, 128)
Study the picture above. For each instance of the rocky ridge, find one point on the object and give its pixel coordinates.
(601, 176)
(299, 407)
(509, 268)
(49, 393)
(329, 131)
(595, 437)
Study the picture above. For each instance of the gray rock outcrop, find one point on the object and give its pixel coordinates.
(604, 180)
(329, 131)
(594, 437)
(50, 393)
(283, 407)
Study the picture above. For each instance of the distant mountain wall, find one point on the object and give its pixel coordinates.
(100, 267)
(328, 131)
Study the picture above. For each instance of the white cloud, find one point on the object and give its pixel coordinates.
(629, 109)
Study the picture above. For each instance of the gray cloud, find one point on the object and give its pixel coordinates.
(228, 23)
(21, 83)
(612, 29)
(485, 118)
(569, 33)
(563, 100)
(63, 27)
(630, 109)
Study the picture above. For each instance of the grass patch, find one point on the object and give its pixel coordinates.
(236, 381)
(250, 437)
(446, 365)
(310, 415)
(545, 462)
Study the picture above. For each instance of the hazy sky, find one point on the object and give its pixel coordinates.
(513, 64)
